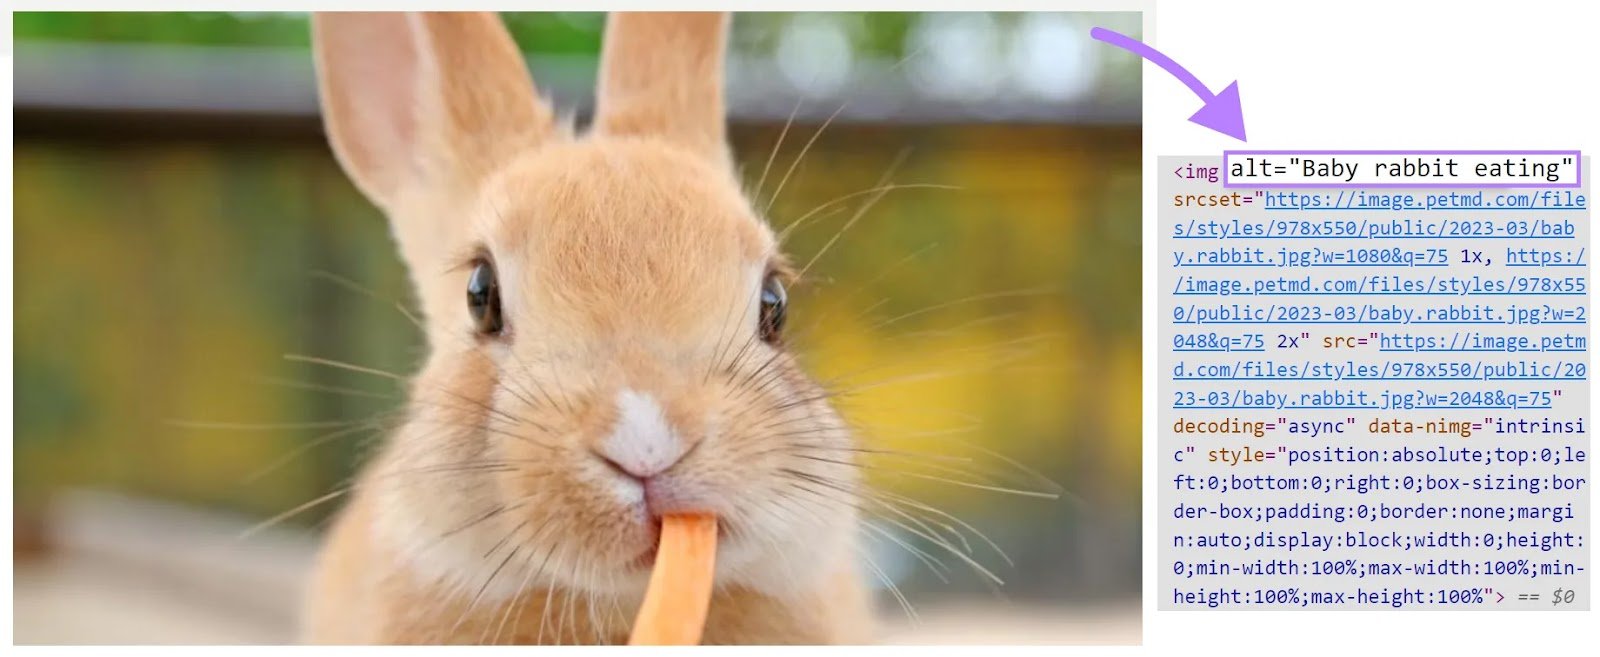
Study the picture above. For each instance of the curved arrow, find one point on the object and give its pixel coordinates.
(1221, 112)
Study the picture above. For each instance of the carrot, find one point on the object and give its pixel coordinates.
(679, 594)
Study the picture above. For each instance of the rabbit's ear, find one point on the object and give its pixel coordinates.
(661, 75)
(423, 102)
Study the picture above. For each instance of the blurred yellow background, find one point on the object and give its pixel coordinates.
(167, 261)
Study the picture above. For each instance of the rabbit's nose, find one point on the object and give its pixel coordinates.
(642, 443)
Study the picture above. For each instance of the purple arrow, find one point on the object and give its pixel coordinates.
(1221, 112)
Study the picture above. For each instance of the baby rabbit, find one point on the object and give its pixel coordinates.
(605, 316)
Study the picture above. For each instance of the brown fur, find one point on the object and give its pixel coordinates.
(629, 263)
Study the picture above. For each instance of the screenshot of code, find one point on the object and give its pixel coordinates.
(1373, 384)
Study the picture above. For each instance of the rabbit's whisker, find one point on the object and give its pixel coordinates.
(997, 355)
(353, 286)
(544, 613)
(987, 296)
(275, 520)
(822, 317)
(790, 504)
(517, 387)
(853, 496)
(498, 510)
(336, 364)
(955, 330)
(777, 146)
(514, 606)
(927, 461)
(370, 426)
(508, 537)
(830, 205)
(720, 352)
(519, 604)
(934, 564)
(932, 527)
(860, 212)
(767, 211)
(473, 605)
(888, 583)
(478, 597)
(262, 426)
(901, 461)
(891, 498)
(880, 468)
(318, 387)
(566, 608)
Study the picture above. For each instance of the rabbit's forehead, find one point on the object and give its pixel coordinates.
(611, 234)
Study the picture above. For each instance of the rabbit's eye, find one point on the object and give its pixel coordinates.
(774, 309)
(483, 299)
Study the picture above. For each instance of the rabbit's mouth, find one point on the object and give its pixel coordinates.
(647, 559)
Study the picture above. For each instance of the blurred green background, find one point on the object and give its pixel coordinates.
(180, 226)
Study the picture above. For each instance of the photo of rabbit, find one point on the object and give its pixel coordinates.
(606, 351)
(624, 309)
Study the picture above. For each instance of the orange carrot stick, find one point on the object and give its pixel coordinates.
(679, 595)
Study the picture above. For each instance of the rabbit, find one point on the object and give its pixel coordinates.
(604, 315)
